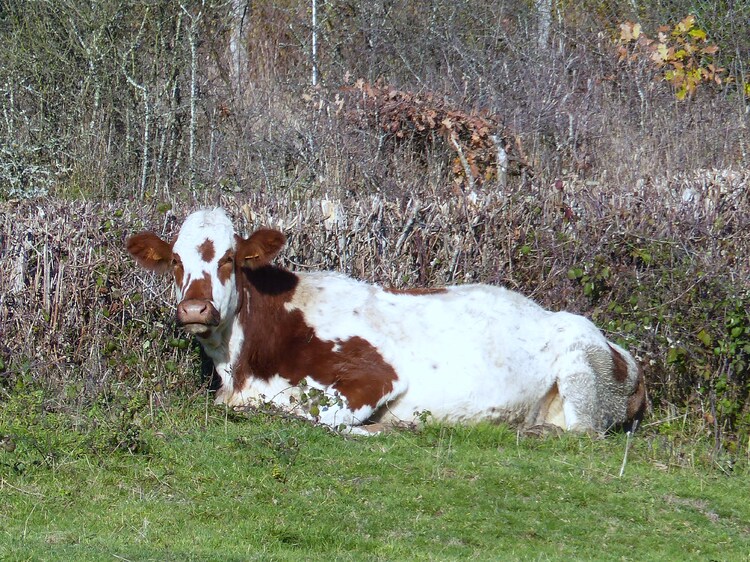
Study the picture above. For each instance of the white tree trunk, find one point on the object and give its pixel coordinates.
(237, 47)
(544, 8)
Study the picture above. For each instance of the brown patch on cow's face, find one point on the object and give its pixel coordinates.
(199, 289)
(226, 267)
(207, 251)
(620, 367)
(416, 291)
(178, 270)
(279, 341)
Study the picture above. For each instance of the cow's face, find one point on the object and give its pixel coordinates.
(204, 262)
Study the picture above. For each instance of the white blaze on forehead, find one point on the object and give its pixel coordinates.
(201, 226)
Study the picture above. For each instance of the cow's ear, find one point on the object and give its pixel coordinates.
(150, 251)
(258, 250)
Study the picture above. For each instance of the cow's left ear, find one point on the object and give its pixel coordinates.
(258, 250)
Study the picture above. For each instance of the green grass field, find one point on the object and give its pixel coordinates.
(193, 482)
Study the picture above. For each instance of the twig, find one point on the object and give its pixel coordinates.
(464, 163)
(502, 162)
(627, 447)
(407, 228)
(4, 482)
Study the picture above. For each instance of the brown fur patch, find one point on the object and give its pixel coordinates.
(620, 368)
(278, 341)
(226, 267)
(638, 400)
(416, 291)
(199, 289)
(179, 271)
(207, 251)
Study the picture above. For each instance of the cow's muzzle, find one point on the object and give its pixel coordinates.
(197, 317)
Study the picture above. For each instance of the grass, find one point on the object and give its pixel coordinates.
(186, 482)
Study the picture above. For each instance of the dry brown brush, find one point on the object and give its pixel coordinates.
(667, 276)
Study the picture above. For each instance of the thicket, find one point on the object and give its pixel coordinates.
(592, 155)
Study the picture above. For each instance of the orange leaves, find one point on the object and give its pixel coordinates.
(420, 117)
(681, 54)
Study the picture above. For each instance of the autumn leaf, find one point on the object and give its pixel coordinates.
(684, 26)
(660, 54)
(629, 31)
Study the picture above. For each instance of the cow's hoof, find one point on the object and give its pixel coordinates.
(367, 430)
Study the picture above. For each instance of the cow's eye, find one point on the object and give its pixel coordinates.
(226, 260)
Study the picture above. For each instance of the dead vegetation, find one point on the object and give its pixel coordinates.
(78, 317)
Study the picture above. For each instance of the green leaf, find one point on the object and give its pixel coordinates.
(705, 338)
(588, 289)
(674, 355)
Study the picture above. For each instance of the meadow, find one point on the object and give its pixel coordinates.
(189, 481)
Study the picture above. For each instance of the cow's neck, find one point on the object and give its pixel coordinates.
(224, 346)
(248, 347)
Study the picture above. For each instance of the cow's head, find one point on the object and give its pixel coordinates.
(205, 259)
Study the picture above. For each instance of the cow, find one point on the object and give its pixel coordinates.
(347, 353)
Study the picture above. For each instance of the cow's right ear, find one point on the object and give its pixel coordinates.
(150, 251)
(258, 250)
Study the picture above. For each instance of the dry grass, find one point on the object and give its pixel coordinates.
(80, 317)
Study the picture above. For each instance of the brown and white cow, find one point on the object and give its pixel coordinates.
(345, 352)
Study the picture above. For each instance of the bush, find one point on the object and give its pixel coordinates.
(656, 280)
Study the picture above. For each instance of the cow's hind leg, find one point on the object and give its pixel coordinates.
(578, 388)
(547, 412)
(579, 400)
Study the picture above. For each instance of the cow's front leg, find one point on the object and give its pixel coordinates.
(325, 405)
